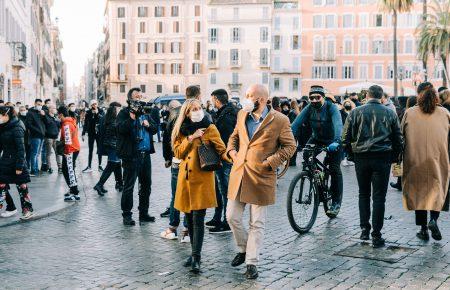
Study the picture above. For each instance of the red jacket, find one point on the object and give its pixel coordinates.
(69, 135)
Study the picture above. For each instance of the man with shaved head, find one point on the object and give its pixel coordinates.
(261, 141)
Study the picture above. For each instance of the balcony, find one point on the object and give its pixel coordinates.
(235, 87)
(122, 78)
(19, 55)
(213, 63)
(264, 64)
(318, 56)
(330, 57)
(235, 63)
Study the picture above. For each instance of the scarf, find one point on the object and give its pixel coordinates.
(188, 127)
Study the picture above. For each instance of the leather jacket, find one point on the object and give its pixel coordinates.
(372, 129)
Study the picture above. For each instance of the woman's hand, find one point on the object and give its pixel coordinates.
(199, 133)
(18, 172)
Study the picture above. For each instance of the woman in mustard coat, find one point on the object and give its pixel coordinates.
(195, 188)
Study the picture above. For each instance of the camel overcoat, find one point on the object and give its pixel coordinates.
(195, 187)
(426, 159)
(253, 175)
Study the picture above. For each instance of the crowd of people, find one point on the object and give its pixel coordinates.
(225, 156)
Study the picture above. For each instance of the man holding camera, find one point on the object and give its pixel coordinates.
(134, 145)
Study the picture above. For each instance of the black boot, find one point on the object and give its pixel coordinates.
(146, 218)
(423, 234)
(435, 232)
(98, 188)
(128, 221)
(238, 260)
(195, 267)
(188, 262)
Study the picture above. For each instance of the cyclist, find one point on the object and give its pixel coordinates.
(326, 123)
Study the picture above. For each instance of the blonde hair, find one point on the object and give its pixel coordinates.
(184, 111)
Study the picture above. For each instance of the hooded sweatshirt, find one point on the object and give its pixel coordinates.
(69, 135)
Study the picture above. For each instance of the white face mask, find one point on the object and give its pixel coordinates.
(197, 116)
(38, 108)
(247, 105)
(23, 113)
(72, 109)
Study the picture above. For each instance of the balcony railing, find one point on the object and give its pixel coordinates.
(235, 87)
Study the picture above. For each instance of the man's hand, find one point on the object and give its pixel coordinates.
(145, 123)
(233, 155)
(18, 172)
(266, 164)
(168, 163)
(42, 112)
(333, 147)
(132, 115)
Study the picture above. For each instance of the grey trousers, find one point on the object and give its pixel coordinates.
(49, 145)
(247, 242)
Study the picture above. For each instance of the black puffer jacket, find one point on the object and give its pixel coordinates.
(372, 129)
(108, 135)
(12, 151)
(35, 124)
(225, 121)
(91, 121)
(52, 127)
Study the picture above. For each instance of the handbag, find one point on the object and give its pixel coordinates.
(209, 158)
(59, 148)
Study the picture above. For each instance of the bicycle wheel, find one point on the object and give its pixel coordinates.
(281, 171)
(302, 203)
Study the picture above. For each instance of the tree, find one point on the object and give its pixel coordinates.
(395, 7)
(434, 35)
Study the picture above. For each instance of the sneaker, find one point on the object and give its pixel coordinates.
(98, 188)
(223, 229)
(26, 214)
(50, 171)
(8, 214)
(351, 163)
(87, 169)
(166, 213)
(100, 168)
(69, 197)
(185, 237)
(377, 242)
(77, 197)
(169, 234)
(345, 163)
(212, 224)
(33, 174)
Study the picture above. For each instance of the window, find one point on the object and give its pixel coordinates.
(159, 11)
(176, 89)
(363, 20)
(142, 27)
(212, 78)
(235, 13)
(159, 89)
(377, 46)
(317, 48)
(143, 88)
(142, 69)
(234, 78)
(409, 43)
(294, 84)
(330, 2)
(159, 27)
(175, 68)
(122, 88)
(234, 57)
(123, 30)
(175, 47)
(317, 21)
(212, 56)
(347, 21)
(295, 23)
(159, 47)
(276, 63)
(329, 72)
(363, 46)
(142, 47)
(265, 12)
(390, 47)
(123, 49)
(176, 27)
(121, 12)
(277, 42)
(142, 11)
(390, 72)
(265, 78)
(295, 42)
(175, 11)
(159, 68)
(195, 68)
(235, 35)
(378, 20)
(330, 21)
(276, 84)
(296, 64)
(197, 10)
(277, 23)
(212, 35)
(197, 26)
(363, 71)
(264, 56)
(121, 69)
(197, 50)
(316, 72)
(317, 2)
(331, 49)
(347, 72)
(263, 34)
(348, 46)
(378, 72)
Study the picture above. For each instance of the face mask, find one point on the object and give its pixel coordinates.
(247, 105)
(72, 109)
(316, 105)
(23, 113)
(38, 108)
(197, 116)
(347, 107)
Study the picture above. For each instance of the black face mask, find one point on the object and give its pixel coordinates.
(348, 108)
(316, 105)
(256, 106)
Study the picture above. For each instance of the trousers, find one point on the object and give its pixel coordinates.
(196, 226)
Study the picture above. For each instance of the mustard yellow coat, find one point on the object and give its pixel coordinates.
(196, 188)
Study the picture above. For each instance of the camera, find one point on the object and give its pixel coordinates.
(140, 108)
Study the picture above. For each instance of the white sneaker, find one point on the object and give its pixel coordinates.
(185, 237)
(169, 234)
(26, 215)
(351, 163)
(345, 162)
(8, 214)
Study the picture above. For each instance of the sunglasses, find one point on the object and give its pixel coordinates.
(315, 97)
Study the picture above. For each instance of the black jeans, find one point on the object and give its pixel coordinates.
(196, 225)
(372, 173)
(68, 169)
(222, 176)
(421, 217)
(91, 139)
(109, 169)
(138, 168)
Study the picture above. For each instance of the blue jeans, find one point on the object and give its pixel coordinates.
(35, 151)
(43, 153)
(174, 216)
(222, 178)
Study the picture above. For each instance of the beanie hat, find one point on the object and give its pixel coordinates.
(317, 90)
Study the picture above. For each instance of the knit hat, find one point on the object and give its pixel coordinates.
(317, 90)
(92, 102)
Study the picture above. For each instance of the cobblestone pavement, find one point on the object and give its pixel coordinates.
(86, 246)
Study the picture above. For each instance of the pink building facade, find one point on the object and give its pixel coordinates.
(346, 42)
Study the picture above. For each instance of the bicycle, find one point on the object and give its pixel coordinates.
(315, 174)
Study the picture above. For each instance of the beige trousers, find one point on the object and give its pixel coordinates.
(248, 242)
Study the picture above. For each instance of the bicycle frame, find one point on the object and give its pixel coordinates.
(314, 167)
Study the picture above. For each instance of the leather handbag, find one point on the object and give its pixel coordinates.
(209, 158)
